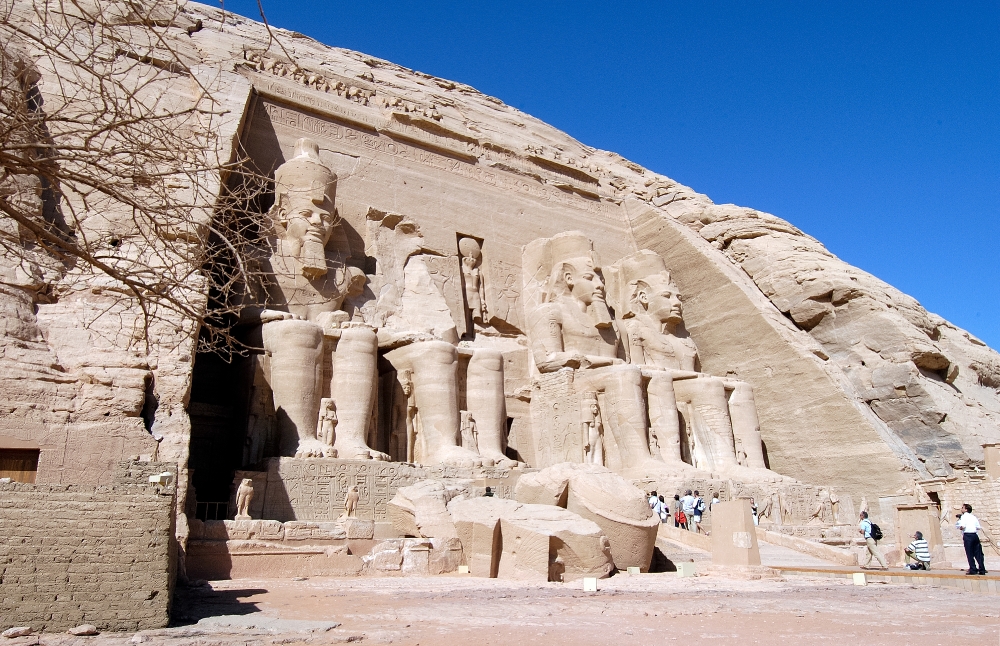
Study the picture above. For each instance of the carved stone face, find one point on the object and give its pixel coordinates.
(659, 297)
(594, 409)
(583, 281)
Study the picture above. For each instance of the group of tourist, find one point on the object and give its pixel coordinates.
(919, 550)
(684, 511)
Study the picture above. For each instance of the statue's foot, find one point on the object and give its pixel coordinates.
(455, 456)
(750, 474)
(498, 459)
(360, 451)
(311, 448)
(656, 470)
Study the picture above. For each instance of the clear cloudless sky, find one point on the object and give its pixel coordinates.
(873, 126)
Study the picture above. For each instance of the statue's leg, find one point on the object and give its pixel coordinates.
(353, 389)
(663, 418)
(624, 412)
(715, 430)
(746, 426)
(485, 400)
(435, 388)
(296, 375)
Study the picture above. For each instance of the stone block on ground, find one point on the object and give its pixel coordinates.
(547, 543)
(734, 537)
(477, 522)
(421, 509)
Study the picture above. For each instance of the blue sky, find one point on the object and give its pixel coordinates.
(872, 126)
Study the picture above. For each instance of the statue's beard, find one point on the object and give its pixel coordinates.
(599, 312)
(312, 255)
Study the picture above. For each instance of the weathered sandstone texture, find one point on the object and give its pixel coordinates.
(74, 554)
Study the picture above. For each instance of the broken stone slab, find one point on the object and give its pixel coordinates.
(414, 556)
(16, 631)
(421, 509)
(477, 522)
(83, 630)
(598, 494)
(548, 543)
(549, 486)
(620, 509)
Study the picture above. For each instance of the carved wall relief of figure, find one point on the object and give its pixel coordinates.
(308, 285)
(593, 429)
(472, 280)
(351, 502)
(721, 420)
(570, 328)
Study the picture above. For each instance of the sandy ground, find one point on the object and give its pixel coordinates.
(649, 609)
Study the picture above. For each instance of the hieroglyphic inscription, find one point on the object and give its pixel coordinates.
(555, 420)
(314, 489)
(377, 142)
(503, 293)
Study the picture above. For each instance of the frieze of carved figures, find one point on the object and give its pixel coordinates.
(353, 91)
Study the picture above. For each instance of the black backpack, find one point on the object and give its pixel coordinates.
(876, 533)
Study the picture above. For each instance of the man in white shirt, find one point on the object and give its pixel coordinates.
(687, 505)
(865, 528)
(969, 526)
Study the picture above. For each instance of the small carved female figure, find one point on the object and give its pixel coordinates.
(593, 430)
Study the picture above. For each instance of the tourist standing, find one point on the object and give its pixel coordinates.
(969, 526)
(687, 506)
(654, 500)
(680, 520)
(663, 510)
(697, 510)
(753, 512)
(865, 529)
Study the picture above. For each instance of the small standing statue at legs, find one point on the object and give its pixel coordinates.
(593, 429)
(470, 438)
(326, 430)
(406, 382)
(243, 497)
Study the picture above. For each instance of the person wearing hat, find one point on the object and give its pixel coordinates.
(919, 551)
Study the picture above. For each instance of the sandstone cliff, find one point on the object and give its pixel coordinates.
(857, 384)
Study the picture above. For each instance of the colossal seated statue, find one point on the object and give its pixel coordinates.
(570, 329)
(303, 319)
(717, 428)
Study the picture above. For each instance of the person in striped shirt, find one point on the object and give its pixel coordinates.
(920, 552)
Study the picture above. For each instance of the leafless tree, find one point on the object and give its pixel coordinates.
(112, 177)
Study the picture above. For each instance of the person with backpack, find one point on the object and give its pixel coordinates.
(871, 533)
(696, 511)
